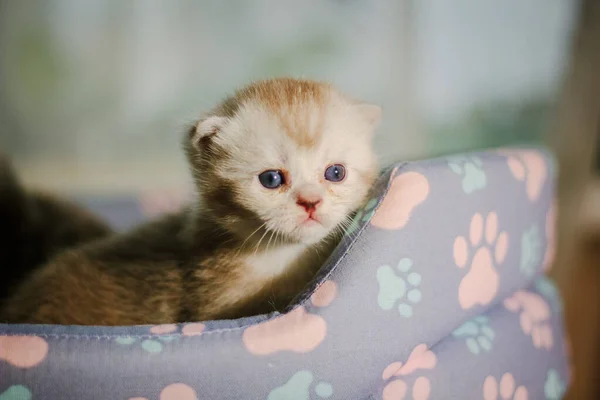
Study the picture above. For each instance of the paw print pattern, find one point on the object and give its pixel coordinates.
(16, 392)
(550, 240)
(298, 387)
(397, 390)
(175, 391)
(534, 317)
(480, 284)
(406, 192)
(23, 351)
(325, 294)
(471, 170)
(554, 388)
(164, 333)
(402, 290)
(362, 216)
(531, 251)
(548, 290)
(528, 166)
(506, 390)
(298, 331)
(420, 358)
(477, 334)
(151, 346)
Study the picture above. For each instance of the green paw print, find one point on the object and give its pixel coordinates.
(531, 251)
(471, 170)
(362, 216)
(152, 346)
(548, 290)
(554, 388)
(477, 334)
(298, 388)
(403, 289)
(16, 392)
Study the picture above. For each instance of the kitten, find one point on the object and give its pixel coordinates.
(279, 167)
(35, 226)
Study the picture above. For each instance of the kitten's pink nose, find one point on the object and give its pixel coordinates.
(309, 202)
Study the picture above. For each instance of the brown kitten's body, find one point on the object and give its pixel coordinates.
(156, 274)
(209, 261)
(34, 227)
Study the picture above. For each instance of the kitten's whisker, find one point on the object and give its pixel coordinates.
(276, 237)
(345, 225)
(260, 241)
(339, 230)
(269, 242)
(317, 251)
(252, 234)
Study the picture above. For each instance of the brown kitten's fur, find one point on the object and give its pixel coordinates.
(34, 227)
(209, 260)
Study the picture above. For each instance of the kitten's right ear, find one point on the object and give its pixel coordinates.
(205, 129)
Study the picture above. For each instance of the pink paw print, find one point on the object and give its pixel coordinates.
(420, 358)
(23, 351)
(176, 391)
(550, 240)
(530, 167)
(406, 192)
(297, 331)
(480, 284)
(506, 390)
(534, 318)
(397, 390)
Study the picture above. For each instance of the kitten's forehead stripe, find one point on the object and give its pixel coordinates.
(299, 105)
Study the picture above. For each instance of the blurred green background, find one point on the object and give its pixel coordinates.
(94, 94)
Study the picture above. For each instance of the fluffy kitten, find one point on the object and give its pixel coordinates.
(279, 167)
(35, 226)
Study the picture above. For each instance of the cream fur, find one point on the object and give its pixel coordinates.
(301, 132)
(257, 142)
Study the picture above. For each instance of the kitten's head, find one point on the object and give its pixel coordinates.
(284, 156)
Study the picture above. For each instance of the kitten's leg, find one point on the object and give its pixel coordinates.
(35, 226)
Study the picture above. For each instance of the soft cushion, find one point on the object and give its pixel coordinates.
(436, 292)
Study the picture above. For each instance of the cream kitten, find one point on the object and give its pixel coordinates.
(280, 166)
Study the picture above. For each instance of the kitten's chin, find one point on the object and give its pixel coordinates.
(311, 233)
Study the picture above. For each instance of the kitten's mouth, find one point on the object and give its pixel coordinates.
(311, 220)
(310, 229)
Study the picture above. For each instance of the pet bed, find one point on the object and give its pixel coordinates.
(436, 292)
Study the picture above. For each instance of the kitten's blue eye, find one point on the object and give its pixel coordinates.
(335, 173)
(271, 179)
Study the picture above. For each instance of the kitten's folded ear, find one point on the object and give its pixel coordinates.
(371, 112)
(205, 129)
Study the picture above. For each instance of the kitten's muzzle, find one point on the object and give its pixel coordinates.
(310, 203)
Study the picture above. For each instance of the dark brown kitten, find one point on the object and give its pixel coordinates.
(34, 227)
(280, 166)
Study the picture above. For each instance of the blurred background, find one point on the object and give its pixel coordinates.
(94, 94)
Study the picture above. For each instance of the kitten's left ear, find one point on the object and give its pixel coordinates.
(371, 112)
(205, 129)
